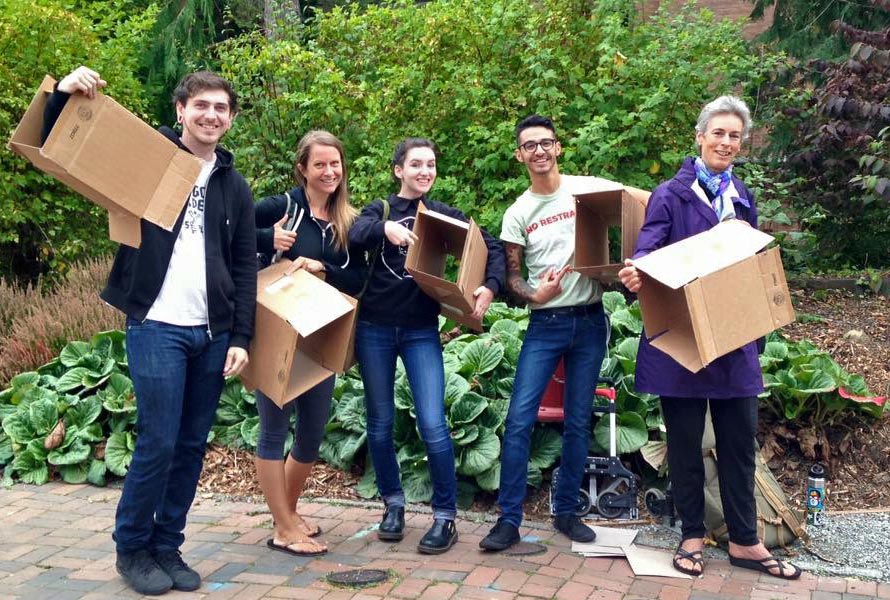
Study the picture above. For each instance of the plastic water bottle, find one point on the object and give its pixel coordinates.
(816, 496)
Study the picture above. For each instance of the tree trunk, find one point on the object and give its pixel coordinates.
(278, 10)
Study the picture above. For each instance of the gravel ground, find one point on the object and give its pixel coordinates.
(848, 545)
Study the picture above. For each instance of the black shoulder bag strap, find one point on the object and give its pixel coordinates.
(372, 255)
(292, 223)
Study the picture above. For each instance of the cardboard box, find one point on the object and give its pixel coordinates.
(439, 236)
(104, 152)
(302, 335)
(712, 293)
(599, 205)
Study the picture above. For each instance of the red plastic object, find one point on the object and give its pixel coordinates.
(551, 410)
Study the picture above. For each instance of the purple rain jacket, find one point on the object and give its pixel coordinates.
(675, 213)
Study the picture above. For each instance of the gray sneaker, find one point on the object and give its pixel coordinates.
(142, 573)
(185, 579)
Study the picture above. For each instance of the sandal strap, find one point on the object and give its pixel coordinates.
(780, 564)
(695, 556)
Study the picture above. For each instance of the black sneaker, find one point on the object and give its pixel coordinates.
(392, 527)
(441, 536)
(502, 536)
(572, 526)
(185, 579)
(142, 573)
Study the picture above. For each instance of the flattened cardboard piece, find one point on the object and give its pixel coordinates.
(652, 562)
(610, 541)
(600, 204)
(108, 155)
(438, 236)
(302, 334)
(724, 244)
(716, 312)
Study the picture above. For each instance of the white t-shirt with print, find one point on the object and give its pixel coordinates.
(183, 297)
(545, 227)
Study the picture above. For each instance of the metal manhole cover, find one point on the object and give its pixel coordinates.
(525, 549)
(358, 577)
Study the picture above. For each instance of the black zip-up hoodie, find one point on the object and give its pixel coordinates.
(229, 242)
(343, 269)
(392, 297)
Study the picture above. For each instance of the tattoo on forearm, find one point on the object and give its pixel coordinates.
(515, 282)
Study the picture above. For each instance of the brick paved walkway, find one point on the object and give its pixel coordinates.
(55, 543)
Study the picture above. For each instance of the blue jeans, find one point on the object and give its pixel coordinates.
(376, 348)
(580, 340)
(177, 377)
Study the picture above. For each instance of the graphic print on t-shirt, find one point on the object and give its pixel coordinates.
(194, 214)
(397, 254)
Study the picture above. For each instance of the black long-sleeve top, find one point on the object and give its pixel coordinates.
(392, 297)
(344, 269)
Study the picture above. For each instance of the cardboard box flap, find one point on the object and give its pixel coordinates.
(166, 203)
(721, 246)
(25, 140)
(310, 303)
(590, 185)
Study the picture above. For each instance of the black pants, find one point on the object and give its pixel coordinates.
(735, 423)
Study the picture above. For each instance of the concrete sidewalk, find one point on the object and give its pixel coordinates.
(56, 544)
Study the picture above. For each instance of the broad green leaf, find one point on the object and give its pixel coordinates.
(28, 378)
(613, 301)
(111, 344)
(465, 434)
(74, 473)
(506, 326)
(118, 453)
(404, 399)
(534, 476)
(631, 432)
(505, 387)
(74, 353)
(455, 387)
(18, 427)
(5, 448)
(512, 347)
(481, 454)
(75, 378)
(481, 356)
(84, 412)
(466, 409)
(250, 431)
(72, 454)
(351, 413)
(96, 472)
(624, 321)
(545, 448)
(44, 414)
(30, 467)
(626, 353)
(490, 479)
(451, 362)
(417, 484)
(367, 486)
(466, 493)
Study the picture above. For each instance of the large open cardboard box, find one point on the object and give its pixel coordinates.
(102, 151)
(712, 293)
(599, 205)
(439, 236)
(303, 333)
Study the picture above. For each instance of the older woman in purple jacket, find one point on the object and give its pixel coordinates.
(703, 193)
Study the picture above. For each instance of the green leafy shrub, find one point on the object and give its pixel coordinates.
(44, 226)
(624, 92)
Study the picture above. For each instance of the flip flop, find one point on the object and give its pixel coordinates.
(288, 549)
(315, 533)
(696, 558)
(762, 566)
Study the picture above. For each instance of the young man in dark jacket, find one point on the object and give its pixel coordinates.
(189, 296)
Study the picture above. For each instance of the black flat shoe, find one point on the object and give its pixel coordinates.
(502, 536)
(574, 528)
(441, 536)
(764, 565)
(392, 527)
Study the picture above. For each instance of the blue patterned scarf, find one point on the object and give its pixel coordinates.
(716, 185)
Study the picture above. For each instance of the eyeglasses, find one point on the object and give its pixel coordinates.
(531, 145)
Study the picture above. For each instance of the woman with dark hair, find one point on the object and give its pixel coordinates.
(703, 193)
(310, 225)
(397, 319)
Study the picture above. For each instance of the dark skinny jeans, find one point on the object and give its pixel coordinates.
(313, 410)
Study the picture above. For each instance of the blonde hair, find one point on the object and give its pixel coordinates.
(340, 211)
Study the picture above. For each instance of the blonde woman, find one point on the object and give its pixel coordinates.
(309, 224)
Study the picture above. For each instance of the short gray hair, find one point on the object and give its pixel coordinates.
(725, 105)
